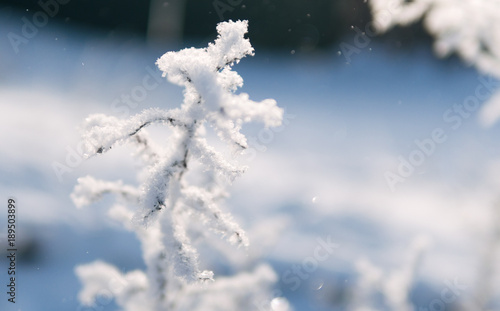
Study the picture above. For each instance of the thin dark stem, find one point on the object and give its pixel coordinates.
(172, 121)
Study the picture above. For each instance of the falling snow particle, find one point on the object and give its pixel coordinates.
(318, 284)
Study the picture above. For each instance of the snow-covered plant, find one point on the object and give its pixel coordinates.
(470, 28)
(166, 209)
(393, 288)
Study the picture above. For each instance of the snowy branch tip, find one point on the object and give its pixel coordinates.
(209, 95)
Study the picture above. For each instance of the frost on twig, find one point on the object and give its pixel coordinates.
(90, 190)
(469, 28)
(162, 208)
